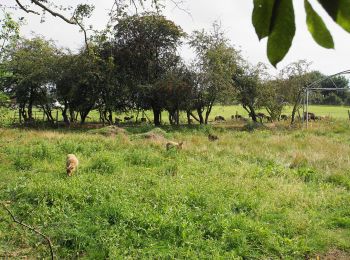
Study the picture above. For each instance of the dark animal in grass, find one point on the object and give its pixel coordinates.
(309, 116)
(143, 120)
(260, 115)
(219, 118)
(172, 145)
(212, 137)
(236, 117)
(128, 118)
(284, 117)
(71, 164)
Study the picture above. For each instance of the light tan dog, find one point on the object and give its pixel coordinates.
(71, 164)
(176, 145)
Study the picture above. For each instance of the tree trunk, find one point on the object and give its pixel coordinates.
(200, 116)
(177, 117)
(191, 114)
(294, 112)
(110, 117)
(30, 110)
(188, 114)
(156, 116)
(83, 117)
(171, 118)
(207, 113)
(71, 115)
(47, 110)
(84, 114)
(251, 112)
(295, 108)
(64, 115)
(22, 111)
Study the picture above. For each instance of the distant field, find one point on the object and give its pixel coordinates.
(332, 111)
(340, 112)
(276, 193)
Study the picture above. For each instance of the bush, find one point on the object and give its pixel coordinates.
(332, 99)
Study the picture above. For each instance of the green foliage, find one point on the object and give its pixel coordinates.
(273, 97)
(317, 27)
(247, 83)
(9, 34)
(339, 12)
(133, 199)
(215, 64)
(275, 19)
(142, 66)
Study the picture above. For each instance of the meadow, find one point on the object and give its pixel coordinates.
(337, 112)
(272, 192)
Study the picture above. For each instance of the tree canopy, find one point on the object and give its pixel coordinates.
(273, 19)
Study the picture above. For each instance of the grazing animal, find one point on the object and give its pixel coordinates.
(171, 145)
(236, 116)
(213, 137)
(268, 118)
(310, 116)
(128, 118)
(284, 117)
(219, 118)
(261, 115)
(71, 164)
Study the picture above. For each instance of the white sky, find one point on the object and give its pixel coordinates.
(235, 17)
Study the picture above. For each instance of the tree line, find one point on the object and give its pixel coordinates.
(135, 65)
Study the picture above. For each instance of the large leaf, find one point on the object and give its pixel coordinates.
(262, 14)
(282, 31)
(339, 10)
(317, 27)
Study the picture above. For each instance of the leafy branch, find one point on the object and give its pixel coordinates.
(275, 20)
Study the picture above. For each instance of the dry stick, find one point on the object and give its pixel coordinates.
(32, 229)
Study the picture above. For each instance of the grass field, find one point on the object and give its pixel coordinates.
(338, 112)
(271, 193)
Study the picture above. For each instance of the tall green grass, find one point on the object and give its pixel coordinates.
(266, 194)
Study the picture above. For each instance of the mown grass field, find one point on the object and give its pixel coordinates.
(271, 193)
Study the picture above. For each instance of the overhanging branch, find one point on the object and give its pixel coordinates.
(53, 13)
(25, 9)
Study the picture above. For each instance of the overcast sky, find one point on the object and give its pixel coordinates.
(235, 17)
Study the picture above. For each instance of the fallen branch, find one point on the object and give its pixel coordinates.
(32, 229)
